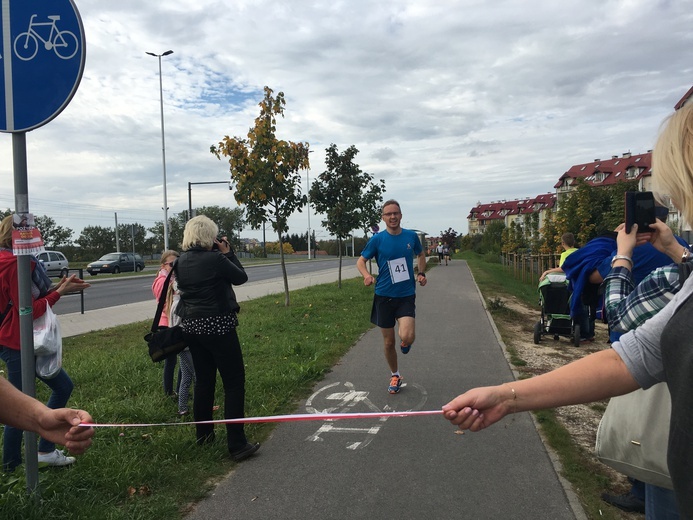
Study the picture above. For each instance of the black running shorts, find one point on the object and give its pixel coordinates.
(386, 310)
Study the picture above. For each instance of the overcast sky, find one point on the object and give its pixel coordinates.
(450, 102)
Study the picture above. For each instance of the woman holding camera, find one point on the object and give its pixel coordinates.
(206, 271)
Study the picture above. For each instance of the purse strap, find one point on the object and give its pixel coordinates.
(685, 269)
(162, 299)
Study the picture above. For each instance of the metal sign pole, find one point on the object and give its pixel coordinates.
(26, 317)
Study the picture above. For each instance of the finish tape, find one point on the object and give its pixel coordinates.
(275, 418)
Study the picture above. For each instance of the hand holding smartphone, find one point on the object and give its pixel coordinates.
(640, 210)
(221, 244)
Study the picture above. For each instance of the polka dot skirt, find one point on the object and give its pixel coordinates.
(211, 325)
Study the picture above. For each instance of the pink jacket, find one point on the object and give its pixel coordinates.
(156, 290)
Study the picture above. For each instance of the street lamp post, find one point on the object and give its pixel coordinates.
(308, 183)
(190, 184)
(308, 193)
(163, 144)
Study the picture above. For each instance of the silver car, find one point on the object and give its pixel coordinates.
(55, 263)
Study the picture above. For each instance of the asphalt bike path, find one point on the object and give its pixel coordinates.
(396, 467)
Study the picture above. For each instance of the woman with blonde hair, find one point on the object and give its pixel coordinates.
(206, 271)
(659, 350)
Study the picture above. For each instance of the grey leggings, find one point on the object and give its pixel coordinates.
(187, 376)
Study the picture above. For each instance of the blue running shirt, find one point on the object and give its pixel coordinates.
(395, 257)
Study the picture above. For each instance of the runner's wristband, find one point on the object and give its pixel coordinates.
(421, 274)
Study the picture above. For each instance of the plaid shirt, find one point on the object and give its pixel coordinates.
(628, 306)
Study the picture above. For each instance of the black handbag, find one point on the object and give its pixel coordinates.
(166, 342)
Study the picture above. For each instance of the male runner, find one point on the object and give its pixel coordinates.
(395, 291)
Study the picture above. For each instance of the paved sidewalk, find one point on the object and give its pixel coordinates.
(77, 323)
(405, 468)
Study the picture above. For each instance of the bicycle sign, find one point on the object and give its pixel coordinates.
(42, 56)
(64, 43)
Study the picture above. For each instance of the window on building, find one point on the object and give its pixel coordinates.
(632, 172)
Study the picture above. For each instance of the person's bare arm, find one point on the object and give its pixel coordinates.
(60, 426)
(421, 261)
(594, 377)
(368, 278)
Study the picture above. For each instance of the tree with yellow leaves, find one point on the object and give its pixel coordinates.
(265, 172)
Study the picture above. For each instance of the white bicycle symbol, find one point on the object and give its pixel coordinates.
(64, 43)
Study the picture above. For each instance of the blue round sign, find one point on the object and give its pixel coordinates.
(41, 61)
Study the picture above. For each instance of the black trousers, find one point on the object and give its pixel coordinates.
(211, 354)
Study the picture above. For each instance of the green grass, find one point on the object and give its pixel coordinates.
(579, 467)
(157, 472)
(493, 279)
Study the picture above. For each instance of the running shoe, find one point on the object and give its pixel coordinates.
(55, 458)
(395, 384)
(405, 348)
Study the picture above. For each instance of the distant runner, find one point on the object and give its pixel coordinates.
(439, 250)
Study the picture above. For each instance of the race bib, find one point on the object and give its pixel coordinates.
(398, 270)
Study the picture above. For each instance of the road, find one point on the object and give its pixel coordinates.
(133, 289)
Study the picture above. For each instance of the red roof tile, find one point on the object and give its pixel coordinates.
(610, 171)
(499, 210)
(683, 100)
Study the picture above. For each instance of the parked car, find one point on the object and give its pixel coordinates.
(55, 263)
(116, 263)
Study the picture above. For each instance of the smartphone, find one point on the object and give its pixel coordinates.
(640, 210)
(215, 246)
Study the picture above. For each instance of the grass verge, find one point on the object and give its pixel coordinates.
(158, 472)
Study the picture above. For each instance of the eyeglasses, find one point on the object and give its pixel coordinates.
(170, 264)
(392, 214)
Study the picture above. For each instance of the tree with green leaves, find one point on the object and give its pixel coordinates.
(492, 238)
(229, 220)
(550, 237)
(346, 195)
(97, 240)
(531, 228)
(125, 237)
(298, 242)
(54, 236)
(266, 172)
(589, 211)
(513, 238)
(176, 224)
(449, 237)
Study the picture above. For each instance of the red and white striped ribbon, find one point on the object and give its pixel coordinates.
(275, 418)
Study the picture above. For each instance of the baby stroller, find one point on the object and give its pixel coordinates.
(554, 298)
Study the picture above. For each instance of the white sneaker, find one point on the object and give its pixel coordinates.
(56, 458)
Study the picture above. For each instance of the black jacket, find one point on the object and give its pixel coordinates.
(204, 282)
(677, 358)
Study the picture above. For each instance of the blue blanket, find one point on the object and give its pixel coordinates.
(597, 254)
